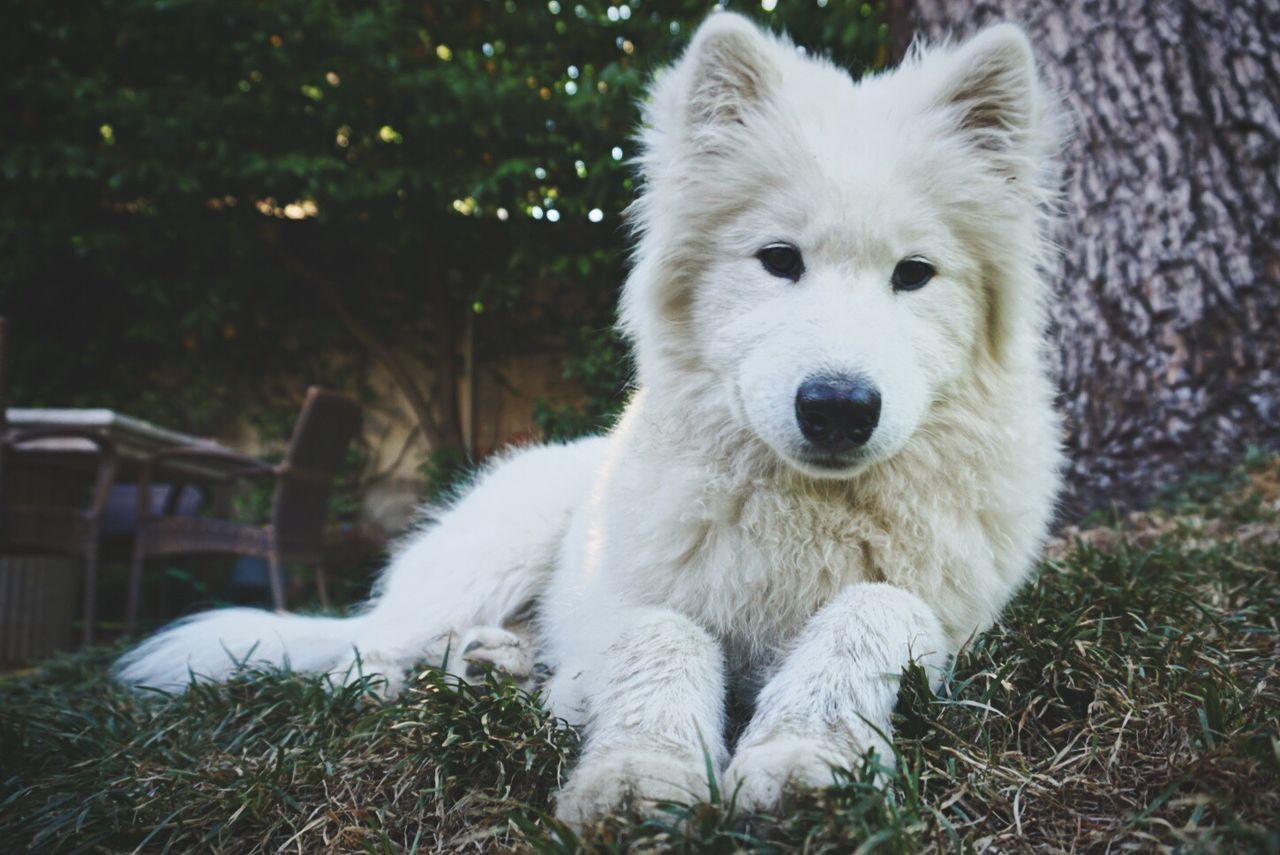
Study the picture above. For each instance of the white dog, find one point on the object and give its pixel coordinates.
(842, 456)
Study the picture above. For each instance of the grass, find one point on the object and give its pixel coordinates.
(1130, 699)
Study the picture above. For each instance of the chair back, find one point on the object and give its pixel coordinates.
(328, 423)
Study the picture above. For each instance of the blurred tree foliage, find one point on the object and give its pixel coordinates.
(205, 206)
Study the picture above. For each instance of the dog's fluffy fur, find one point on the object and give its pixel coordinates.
(698, 550)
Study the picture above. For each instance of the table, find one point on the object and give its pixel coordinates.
(38, 605)
(135, 440)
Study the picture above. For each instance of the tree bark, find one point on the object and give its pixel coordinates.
(1167, 324)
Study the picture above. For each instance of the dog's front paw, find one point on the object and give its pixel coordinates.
(760, 773)
(630, 780)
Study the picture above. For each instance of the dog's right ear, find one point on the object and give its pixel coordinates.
(731, 70)
(991, 88)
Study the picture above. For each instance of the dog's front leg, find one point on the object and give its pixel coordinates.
(833, 691)
(654, 704)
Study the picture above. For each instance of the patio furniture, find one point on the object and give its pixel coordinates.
(42, 525)
(57, 468)
(299, 509)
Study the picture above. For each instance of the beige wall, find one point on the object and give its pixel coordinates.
(505, 392)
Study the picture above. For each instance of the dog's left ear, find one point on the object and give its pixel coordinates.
(990, 86)
(731, 71)
(703, 103)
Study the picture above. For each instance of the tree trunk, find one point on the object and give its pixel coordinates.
(1168, 325)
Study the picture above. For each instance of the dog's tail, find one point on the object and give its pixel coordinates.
(209, 647)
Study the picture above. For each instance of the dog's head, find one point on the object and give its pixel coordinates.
(825, 259)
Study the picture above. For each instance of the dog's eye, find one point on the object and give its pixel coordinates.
(911, 274)
(782, 259)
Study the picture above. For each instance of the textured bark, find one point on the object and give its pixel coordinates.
(1167, 325)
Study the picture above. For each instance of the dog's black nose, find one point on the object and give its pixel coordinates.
(837, 413)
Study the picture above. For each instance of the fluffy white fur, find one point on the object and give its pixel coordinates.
(694, 551)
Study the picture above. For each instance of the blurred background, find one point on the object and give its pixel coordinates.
(206, 208)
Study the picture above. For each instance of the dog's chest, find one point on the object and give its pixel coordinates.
(762, 562)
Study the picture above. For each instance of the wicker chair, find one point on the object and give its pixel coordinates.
(42, 529)
(299, 509)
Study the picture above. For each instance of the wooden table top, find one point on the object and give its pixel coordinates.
(134, 438)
